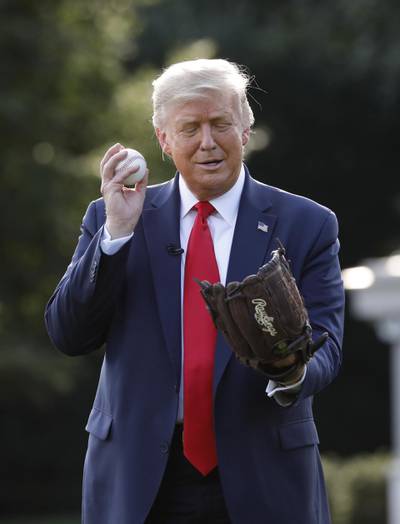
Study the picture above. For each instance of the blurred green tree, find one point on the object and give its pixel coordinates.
(65, 97)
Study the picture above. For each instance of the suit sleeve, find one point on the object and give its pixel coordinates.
(80, 311)
(322, 288)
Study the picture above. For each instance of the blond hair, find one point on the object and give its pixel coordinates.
(193, 79)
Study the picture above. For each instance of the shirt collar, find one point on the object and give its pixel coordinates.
(227, 204)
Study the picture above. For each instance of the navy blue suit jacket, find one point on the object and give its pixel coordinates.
(268, 455)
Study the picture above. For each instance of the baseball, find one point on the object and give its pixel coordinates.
(132, 159)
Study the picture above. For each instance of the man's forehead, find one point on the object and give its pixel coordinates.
(206, 108)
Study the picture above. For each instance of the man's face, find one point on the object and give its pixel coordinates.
(205, 139)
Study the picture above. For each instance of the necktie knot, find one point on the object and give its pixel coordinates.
(204, 209)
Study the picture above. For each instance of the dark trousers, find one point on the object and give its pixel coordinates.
(185, 495)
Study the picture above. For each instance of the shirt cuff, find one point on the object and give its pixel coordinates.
(111, 246)
(285, 395)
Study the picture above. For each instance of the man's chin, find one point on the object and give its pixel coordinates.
(212, 185)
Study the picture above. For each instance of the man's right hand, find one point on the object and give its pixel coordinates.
(123, 205)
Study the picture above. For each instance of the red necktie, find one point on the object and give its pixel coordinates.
(199, 336)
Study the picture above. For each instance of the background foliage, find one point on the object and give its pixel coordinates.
(75, 78)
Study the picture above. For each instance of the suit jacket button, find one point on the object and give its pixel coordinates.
(164, 447)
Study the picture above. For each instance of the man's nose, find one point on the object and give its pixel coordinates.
(207, 138)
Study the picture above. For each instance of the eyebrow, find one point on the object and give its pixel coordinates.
(191, 120)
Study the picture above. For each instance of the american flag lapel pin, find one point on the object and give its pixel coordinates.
(262, 227)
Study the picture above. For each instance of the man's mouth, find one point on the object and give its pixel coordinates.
(210, 164)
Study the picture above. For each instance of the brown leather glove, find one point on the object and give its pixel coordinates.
(264, 320)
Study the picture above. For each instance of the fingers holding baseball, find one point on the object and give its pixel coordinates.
(141, 185)
(120, 167)
(111, 159)
(123, 166)
(108, 154)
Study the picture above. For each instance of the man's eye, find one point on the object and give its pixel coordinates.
(189, 131)
(223, 125)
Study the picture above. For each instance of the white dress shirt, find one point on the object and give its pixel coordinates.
(222, 226)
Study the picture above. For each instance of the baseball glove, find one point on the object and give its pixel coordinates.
(264, 319)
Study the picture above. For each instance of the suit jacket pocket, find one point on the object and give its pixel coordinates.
(99, 424)
(298, 434)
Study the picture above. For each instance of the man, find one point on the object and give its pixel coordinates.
(244, 450)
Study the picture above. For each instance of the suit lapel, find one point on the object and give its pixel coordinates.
(161, 227)
(250, 248)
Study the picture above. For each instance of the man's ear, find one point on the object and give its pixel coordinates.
(245, 136)
(163, 141)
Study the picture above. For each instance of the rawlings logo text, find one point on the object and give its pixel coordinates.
(262, 318)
